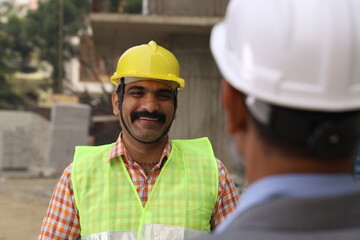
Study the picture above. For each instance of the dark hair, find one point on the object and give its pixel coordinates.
(312, 134)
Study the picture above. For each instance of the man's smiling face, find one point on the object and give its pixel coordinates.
(147, 108)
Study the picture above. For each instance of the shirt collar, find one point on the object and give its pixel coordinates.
(298, 185)
(292, 185)
(119, 150)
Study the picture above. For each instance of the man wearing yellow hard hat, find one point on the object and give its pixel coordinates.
(143, 186)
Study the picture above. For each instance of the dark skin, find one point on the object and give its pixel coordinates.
(260, 159)
(146, 96)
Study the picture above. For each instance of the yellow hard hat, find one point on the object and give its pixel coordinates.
(148, 61)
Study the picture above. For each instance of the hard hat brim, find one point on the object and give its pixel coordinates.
(180, 81)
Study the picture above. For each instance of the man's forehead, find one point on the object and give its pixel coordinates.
(150, 83)
(173, 85)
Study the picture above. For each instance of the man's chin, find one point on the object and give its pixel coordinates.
(149, 138)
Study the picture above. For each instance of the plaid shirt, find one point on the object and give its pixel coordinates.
(62, 220)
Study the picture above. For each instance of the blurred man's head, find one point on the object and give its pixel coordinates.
(292, 86)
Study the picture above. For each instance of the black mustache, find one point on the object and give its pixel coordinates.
(156, 114)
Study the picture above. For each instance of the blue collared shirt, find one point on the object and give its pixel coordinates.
(292, 185)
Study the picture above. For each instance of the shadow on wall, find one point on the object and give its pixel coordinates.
(357, 165)
(104, 129)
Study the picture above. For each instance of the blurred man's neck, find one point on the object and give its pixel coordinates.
(263, 161)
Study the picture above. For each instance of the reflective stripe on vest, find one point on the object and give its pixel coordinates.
(150, 231)
(182, 199)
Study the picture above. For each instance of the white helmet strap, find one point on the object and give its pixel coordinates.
(260, 110)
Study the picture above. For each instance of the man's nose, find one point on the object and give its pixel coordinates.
(150, 103)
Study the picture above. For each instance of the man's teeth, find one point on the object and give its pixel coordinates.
(148, 119)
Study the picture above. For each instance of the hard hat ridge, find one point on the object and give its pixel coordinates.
(153, 45)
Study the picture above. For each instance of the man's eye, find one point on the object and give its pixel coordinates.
(137, 93)
(164, 96)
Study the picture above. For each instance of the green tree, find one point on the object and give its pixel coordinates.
(51, 27)
(16, 29)
(48, 30)
(8, 99)
(134, 6)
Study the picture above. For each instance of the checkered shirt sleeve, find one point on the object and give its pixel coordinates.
(61, 220)
(228, 196)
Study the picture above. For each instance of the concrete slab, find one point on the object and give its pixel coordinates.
(69, 128)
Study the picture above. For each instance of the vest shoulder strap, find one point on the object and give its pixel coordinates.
(84, 153)
(199, 146)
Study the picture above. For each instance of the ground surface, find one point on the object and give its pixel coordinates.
(23, 203)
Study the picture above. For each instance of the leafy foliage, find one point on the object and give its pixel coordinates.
(122, 6)
(50, 32)
(8, 99)
(134, 6)
(46, 30)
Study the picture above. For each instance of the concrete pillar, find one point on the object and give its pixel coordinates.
(68, 128)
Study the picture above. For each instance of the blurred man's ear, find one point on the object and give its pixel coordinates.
(234, 104)
(115, 103)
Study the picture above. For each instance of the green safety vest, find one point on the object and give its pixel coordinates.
(179, 206)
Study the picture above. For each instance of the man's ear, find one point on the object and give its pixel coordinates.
(115, 103)
(234, 104)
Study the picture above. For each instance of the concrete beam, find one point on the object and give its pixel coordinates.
(114, 32)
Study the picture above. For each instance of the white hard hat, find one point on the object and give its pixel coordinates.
(301, 54)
